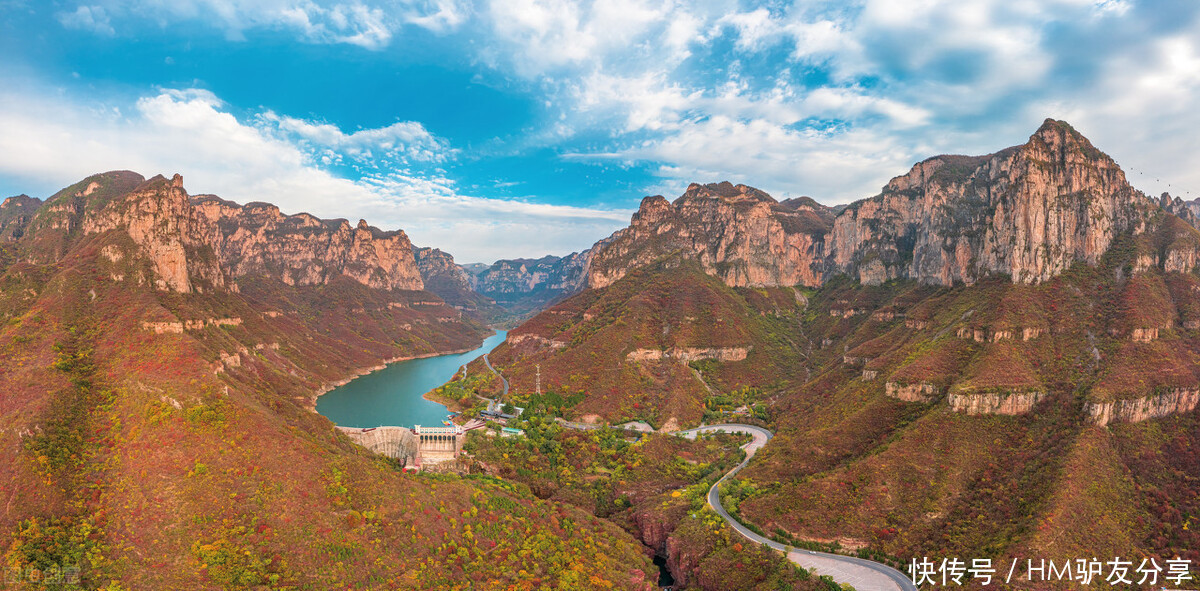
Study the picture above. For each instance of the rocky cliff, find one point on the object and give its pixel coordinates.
(449, 281)
(505, 279)
(204, 242)
(523, 286)
(737, 233)
(15, 215)
(1029, 212)
(258, 239)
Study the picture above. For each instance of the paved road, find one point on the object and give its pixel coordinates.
(502, 379)
(864, 575)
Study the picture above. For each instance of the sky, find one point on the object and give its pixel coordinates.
(519, 128)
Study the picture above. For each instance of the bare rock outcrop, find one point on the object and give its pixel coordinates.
(15, 215)
(1172, 401)
(204, 243)
(159, 218)
(258, 239)
(689, 354)
(918, 392)
(737, 233)
(995, 403)
(1029, 212)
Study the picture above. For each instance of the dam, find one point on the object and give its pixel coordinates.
(385, 411)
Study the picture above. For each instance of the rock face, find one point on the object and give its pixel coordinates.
(15, 215)
(919, 392)
(203, 243)
(995, 403)
(1188, 211)
(1028, 211)
(446, 279)
(158, 217)
(257, 239)
(737, 233)
(1174, 401)
(689, 354)
(507, 279)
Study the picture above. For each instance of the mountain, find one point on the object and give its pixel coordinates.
(523, 286)
(995, 356)
(1029, 212)
(737, 233)
(15, 215)
(161, 356)
(450, 282)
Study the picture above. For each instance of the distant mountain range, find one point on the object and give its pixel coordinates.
(1028, 212)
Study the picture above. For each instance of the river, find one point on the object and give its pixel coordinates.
(393, 396)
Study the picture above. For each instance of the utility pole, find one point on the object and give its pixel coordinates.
(538, 387)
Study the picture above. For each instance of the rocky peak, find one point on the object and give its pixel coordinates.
(652, 210)
(447, 279)
(725, 191)
(736, 232)
(198, 243)
(1029, 212)
(259, 239)
(15, 214)
(158, 217)
(547, 277)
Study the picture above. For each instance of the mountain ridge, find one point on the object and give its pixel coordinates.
(1026, 211)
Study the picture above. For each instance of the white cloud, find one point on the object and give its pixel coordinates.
(88, 18)
(537, 37)
(365, 23)
(438, 15)
(403, 141)
(54, 142)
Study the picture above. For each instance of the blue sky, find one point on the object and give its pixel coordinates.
(531, 127)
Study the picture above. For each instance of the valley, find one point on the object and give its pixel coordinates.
(995, 357)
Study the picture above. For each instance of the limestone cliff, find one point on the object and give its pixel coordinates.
(258, 239)
(204, 242)
(442, 276)
(159, 219)
(737, 233)
(1029, 212)
(526, 285)
(15, 215)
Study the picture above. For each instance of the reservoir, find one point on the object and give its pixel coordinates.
(392, 396)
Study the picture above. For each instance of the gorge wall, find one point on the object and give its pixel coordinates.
(204, 242)
(1029, 212)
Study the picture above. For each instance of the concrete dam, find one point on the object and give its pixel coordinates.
(414, 447)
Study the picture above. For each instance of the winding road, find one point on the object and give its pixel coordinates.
(502, 379)
(864, 575)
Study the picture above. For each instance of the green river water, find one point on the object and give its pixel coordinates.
(392, 396)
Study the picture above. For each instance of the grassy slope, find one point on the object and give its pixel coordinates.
(851, 465)
(913, 478)
(661, 306)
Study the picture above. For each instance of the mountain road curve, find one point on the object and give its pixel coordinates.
(862, 574)
(487, 362)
